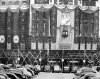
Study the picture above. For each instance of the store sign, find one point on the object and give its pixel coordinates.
(2, 39)
(65, 46)
(16, 39)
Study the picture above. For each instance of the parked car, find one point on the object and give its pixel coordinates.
(87, 73)
(57, 68)
(47, 68)
(66, 69)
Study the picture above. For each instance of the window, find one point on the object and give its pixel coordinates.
(3, 3)
(41, 1)
(89, 2)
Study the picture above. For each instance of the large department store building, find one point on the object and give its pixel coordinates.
(53, 29)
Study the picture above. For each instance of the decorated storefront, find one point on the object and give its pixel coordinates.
(14, 31)
(48, 31)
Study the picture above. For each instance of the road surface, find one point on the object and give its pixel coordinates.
(48, 75)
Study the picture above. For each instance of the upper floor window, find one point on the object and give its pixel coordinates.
(3, 3)
(41, 1)
(17, 3)
(70, 2)
(89, 2)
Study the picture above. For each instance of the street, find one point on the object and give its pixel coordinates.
(48, 75)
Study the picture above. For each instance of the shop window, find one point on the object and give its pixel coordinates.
(17, 3)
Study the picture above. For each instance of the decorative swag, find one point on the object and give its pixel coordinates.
(17, 22)
(65, 8)
(49, 17)
(90, 10)
(86, 18)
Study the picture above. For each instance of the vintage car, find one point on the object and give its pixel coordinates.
(87, 76)
(66, 69)
(87, 73)
(47, 68)
(57, 68)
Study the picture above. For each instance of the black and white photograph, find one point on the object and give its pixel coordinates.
(49, 39)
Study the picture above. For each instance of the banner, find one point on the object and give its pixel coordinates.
(24, 25)
(2, 38)
(53, 24)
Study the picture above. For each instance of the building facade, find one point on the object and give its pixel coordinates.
(53, 29)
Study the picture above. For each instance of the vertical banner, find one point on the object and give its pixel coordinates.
(15, 27)
(3, 20)
(96, 25)
(76, 30)
(9, 30)
(24, 27)
(53, 23)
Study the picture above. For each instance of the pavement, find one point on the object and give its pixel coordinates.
(49, 75)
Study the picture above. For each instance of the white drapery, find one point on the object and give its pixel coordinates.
(65, 8)
(14, 8)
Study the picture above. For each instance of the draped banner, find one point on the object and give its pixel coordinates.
(76, 33)
(85, 23)
(15, 27)
(9, 30)
(3, 20)
(44, 23)
(24, 27)
(53, 24)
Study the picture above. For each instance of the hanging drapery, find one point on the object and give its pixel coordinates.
(9, 29)
(53, 23)
(86, 22)
(76, 30)
(3, 8)
(23, 24)
(3, 20)
(88, 9)
(96, 29)
(65, 8)
(15, 28)
(41, 21)
(42, 7)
